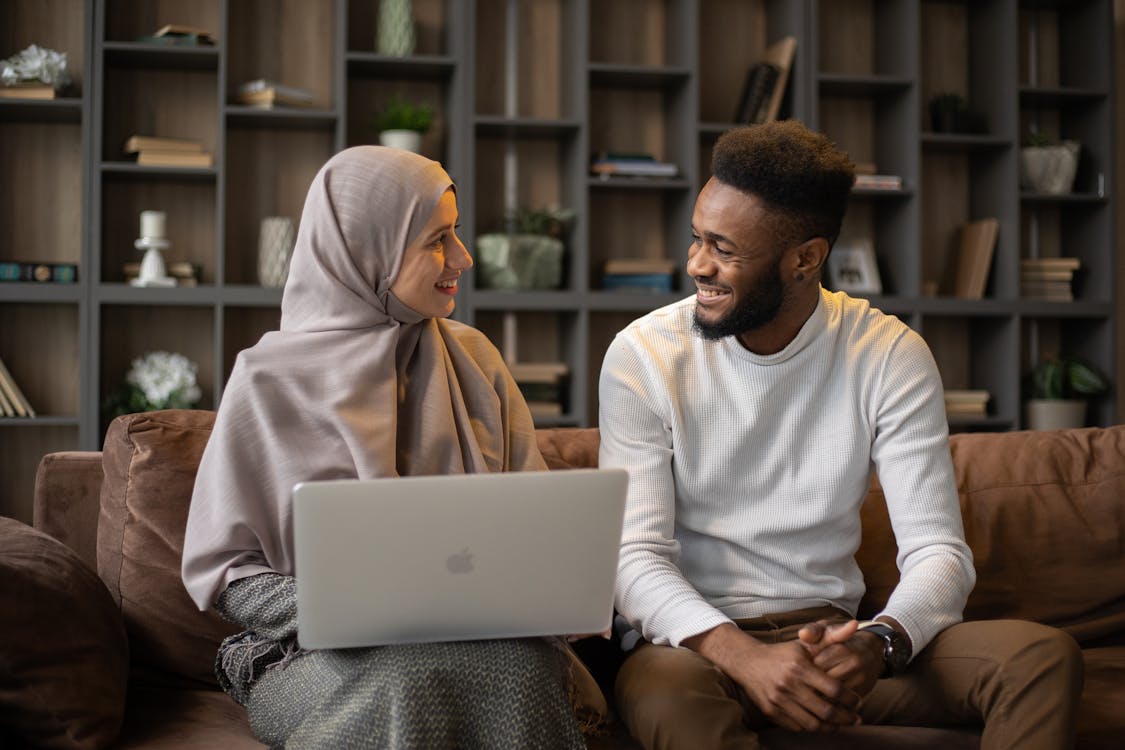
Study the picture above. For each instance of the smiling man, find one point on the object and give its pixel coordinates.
(750, 417)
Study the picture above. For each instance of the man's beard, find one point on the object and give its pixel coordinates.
(759, 307)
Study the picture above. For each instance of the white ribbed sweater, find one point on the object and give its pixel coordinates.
(746, 472)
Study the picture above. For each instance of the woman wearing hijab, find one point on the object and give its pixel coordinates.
(365, 378)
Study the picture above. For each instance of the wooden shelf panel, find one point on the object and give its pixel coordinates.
(129, 170)
(161, 57)
(25, 443)
(638, 183)
(40, 346)
(1059, 96)
(41, 182)
(68, 110)
(1063, 199)
(35, 292)
(415, 67)
(960, 142)
(842, 84)
(637, 76)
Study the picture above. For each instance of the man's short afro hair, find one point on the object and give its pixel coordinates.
(796, 171)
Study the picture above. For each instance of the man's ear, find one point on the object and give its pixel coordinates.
(809, 257)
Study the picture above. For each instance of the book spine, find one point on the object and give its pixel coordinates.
(13, 393)
(58, 273)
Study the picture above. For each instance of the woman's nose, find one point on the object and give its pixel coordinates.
(458, 257)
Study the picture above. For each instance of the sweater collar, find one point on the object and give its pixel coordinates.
(812, 328)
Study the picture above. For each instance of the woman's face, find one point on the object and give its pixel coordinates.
(427, 281)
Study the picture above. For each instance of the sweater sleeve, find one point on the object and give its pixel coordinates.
(652, 593)
(911, 454)
(265, 603)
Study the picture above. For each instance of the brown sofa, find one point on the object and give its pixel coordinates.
(122, 659)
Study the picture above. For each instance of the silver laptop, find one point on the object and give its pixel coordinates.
(416, 559)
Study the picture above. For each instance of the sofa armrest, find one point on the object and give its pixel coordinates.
(67, 495)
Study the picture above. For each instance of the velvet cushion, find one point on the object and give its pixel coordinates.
(64, 659)
(150, 461)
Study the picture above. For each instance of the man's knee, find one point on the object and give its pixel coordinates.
(660, 680)
(1042, 644)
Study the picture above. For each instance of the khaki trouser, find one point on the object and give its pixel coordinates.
(1021, 680)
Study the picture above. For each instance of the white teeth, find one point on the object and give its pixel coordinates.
(710, 293)
(448, 284)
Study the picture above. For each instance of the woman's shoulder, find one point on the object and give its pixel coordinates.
(466, 335)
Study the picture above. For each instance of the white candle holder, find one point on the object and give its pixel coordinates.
(152, 241)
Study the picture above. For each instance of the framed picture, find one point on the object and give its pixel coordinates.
(852, 267)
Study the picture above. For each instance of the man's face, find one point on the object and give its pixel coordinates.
(735, 263)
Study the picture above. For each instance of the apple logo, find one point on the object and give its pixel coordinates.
(461, 562)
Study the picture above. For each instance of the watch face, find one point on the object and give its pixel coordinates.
(897, 653)
(896, 648)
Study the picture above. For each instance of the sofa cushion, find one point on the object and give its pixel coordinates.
(569, 447)
(1101, 715)
(64, 658)
(1043, 514)
(150, 462)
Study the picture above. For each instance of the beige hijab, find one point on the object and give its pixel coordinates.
(355, 384)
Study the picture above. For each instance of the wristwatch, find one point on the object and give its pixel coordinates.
(896, 647)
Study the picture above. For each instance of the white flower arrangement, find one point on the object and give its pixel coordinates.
(158, 380)
(35, 65)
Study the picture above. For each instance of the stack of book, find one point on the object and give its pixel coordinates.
(966, 403)
(28, 91)
(638, 275)
(154, 151)
(12, 401)
(878, 182)
(1048, 278)
(265, 94)
(541, 384)
(610, 164)
(185, 274)
(179, 35)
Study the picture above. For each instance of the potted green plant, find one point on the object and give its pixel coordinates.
(529, 256)
(948, 113)
(1048, 166)
(401, 124)
(1059, 389)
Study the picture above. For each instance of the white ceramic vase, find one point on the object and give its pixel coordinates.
(394, 31)
(1055, 414)
(1049, 169)
(407, 140)
(276, 238)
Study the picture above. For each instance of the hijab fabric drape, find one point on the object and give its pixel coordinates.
(354, 384)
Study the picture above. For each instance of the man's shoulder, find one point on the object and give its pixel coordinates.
(672, 321)
(859, 320)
